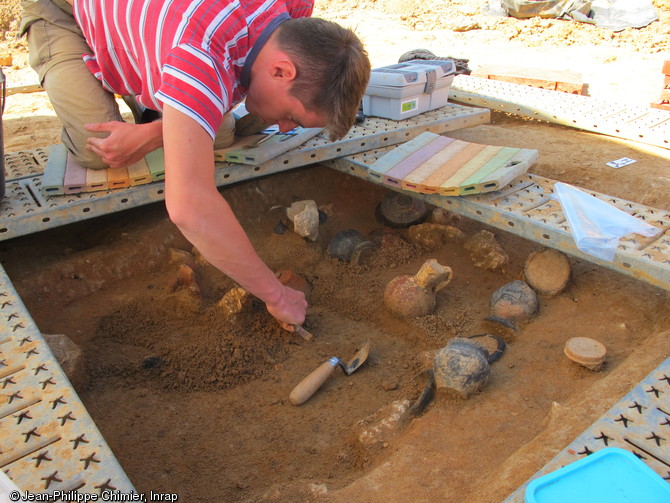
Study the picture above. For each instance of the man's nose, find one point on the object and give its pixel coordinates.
(286, 125)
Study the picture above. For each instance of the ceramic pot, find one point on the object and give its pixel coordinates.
(400, 210)
(409, 296)
(515, 302)
(350, 246)
(462, 366)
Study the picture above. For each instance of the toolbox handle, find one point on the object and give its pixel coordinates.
(431, 79)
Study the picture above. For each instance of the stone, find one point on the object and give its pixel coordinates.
(486, 252)
(185, 279)
(444, 217)
(431, 236)
(383, 425)
(70, 357)
(305, 218)
(235, 301)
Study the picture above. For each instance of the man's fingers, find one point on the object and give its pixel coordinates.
(101, 126)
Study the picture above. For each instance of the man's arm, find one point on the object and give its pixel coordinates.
(207, 221)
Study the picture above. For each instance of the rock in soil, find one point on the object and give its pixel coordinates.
(486, 252)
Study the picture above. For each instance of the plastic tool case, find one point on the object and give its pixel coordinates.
(407, 89)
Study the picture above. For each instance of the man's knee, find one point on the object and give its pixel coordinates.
(225, 136)
(78, 153)
(88, 159)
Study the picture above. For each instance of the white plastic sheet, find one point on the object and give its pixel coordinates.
(596, 225)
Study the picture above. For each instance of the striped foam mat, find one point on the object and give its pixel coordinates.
(435, 164)
(63, 175)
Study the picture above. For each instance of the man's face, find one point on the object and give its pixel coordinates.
(270, 101)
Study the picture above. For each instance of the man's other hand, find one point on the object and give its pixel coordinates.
(126, 143)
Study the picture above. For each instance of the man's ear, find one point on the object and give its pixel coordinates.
(283, 69)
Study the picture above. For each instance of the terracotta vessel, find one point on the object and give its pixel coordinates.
(350, 246)
(462, 366)
(409, 296)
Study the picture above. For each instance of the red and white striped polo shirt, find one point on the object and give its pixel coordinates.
(188, 54)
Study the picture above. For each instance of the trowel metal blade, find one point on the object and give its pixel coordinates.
(358, 359)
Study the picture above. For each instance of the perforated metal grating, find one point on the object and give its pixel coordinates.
(643, 124)
(525, 208)
(25, 210)
(48, 441)
(639, 422)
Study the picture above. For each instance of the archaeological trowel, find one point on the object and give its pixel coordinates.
(310, 384)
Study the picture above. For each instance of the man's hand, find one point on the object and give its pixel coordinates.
(126, 144)
(289, 309)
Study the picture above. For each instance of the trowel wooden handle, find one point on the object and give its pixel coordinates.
(310, 384)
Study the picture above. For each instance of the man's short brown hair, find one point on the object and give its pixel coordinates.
(333, 69)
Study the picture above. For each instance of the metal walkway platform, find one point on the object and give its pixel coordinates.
(526, 209)
(638, 423)
(642, 124)
(26, 210)
(48, 441)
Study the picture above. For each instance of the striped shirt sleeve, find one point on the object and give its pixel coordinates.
(195, 85)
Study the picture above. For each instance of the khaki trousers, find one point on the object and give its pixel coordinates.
(55, 46)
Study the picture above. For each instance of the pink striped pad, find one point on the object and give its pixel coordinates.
(416, 159)
(75, 176)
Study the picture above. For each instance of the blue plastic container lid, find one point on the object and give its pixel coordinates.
(610, 475)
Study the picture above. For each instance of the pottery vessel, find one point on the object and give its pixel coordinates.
(462, 366)
(409, 296)
(350, 246)
(515, 302)
(400, 210)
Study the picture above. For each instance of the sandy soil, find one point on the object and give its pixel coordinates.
(194, 401)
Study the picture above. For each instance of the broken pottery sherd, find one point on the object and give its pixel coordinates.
(585, 351)
(515, 302)
(462, 366)
(409, 296)
(70, 358)
(293, 280)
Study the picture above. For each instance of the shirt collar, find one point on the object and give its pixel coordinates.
(245, 77)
